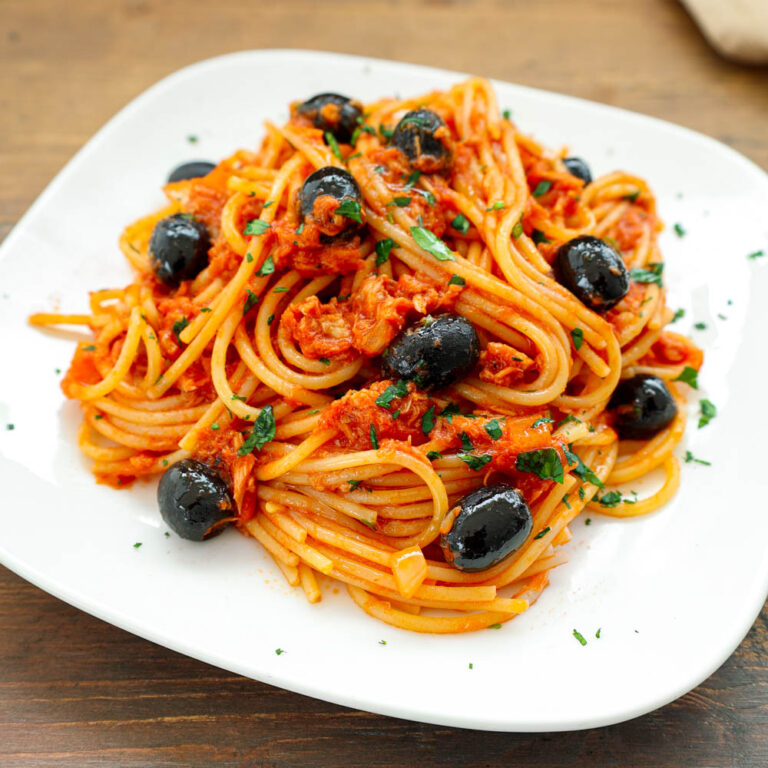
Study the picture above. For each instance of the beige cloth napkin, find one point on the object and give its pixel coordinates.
(737, 29)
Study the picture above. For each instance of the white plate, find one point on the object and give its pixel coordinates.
(674, 593)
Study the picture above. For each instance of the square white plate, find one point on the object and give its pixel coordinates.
(673, 593)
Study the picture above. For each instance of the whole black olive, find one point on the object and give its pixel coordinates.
(492, 522)
(423, 138)
(178, 248)
(194, 499)
(193, 170)
(578, 168)
(333, 113)
(643, 406)
(340, 186)
(592, 271)
(434, 352)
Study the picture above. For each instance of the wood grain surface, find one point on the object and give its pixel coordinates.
(75, 691)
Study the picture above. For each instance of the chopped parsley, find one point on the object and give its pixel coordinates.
(433, 455)
(650, 275)
(495, 626)
(354, 484)
(565, 500)
(263, 432)
(755, 254)
(248, 258)
(267, 204)
(542, 187)
(708, 412)
(92, 347)
(679, 230)
(427, 195)
(383, 249)
(689, 376)
(179, 326)
(374, 438)
(466, 443)
(250, 302)
(400, 202)
(544, 463)
(330, 140)
(137, 545)
(428, 420)
(461, 224)
(542, 533)
(256, 227)
(324, 361)
(579, 636)
(517, 230)
(350, 209)
(450, 411)
(614, 498)
(631, 197)
(270, 319)
(279, 651)
(457, 280)
(539, 237)
(542, 420)
(506, 114)
(569, 417)
(597, 634)
(493, 428)
(192, 139)
(475, 463)
(391, 392)
(432, 244)
(280, 289)
(382, 642)
(581, 470)
(300, 228)
(497, 206)
(267, 268)
(577, 335)
(239, 397)
(680, 313)
(700, 326)
(214, 426)
(412, 179)
(689, 457)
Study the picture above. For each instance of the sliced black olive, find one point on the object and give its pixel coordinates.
(333, 113)
(340, 186)
(578, 168)
(492, 522)
(434, 352)
(194, 500)
(193, 170)
(593, 271)
(179, 248)
(422, 137)
(643, 406)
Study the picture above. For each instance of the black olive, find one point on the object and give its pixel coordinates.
(578, 168)
(333, 113)
(643, 406)
(415, 137)
(194, 499)
(492, 522)
(178, 248)
(339, 184)
(434, 352)
(593, 271)
(193, 170)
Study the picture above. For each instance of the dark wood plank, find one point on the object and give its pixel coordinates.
(77, 692)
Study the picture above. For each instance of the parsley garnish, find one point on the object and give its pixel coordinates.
(565, 501)
(680, 313)
(256, 227)
(689, 376)
(267, 204)
(700, 326)
(614, 498)
(178, 327)
(239, 397)
(569, 417)
(517, 230)
(350, 209)
(450, 411)
(214, 426)
(689, 457)
(631, 197)
(374, 438)
(493, 428)
(457, 280)
(92, 347)
(497, 206)
(495, 626)
(400, 202)
(427, 195)
(432, 244)
(539, 237)
(579, 636)
(279, 651)
(506, 114)
(581, 470)
(267, 268)
(391, 392)
(577, 335)
(382, 642)
(412, 179)
(432, 455)
(708, 412)
(475, 463)
(428, 420)
(542, 420)
(597, 634)
(270, 319)
(383, 249)
(353, 484)
(137, 545)
(650, 275)
(330, 140)
(542, 188)
(544, 463)
(679, 230)
(542, 533)
(755, 254)
(250, 302)
(192, 139)
(466, 443)
(263, 432)
(461, 224)
(280, 289)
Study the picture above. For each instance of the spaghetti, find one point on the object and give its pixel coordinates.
(268, 362)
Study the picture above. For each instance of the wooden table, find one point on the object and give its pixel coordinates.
(77, 692)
